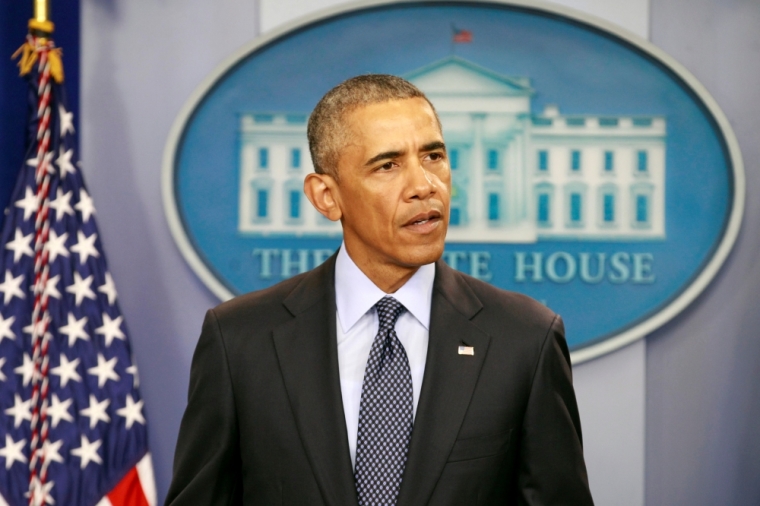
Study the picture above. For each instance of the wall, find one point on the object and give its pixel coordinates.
(142, 59)
(703, 379)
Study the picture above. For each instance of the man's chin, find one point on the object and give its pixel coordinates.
(416, 256)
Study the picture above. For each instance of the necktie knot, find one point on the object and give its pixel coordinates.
(388, 311)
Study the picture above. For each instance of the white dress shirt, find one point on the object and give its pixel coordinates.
(357, 325)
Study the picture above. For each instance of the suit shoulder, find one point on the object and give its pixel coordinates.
(253, 305)
(502, 307)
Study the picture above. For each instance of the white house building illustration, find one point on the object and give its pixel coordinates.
(517, 176)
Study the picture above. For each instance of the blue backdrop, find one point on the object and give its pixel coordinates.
(582, 69)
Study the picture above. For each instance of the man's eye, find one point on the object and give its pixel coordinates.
(386, 166)
(435, 156)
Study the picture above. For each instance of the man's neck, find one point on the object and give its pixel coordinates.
(386, 276)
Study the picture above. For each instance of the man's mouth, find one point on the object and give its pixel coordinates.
(424, 221)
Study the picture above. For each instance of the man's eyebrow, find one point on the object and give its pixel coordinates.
(432, 146)
(384, 156)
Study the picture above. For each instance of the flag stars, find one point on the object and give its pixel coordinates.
(62, 204)
(6, 330)
(96, 411)
(11, 287)
(109, 289)
(81, 288)
(66, 119)
(85, 247)
(2, 374)
(59, 410)
(41, 327)
(51, 452)
(13, 451)
(40, 493)
(51, 287)
(104, 370)
(26, 370)
(64, 162)
(132, 369)
(85, 205)
(21, 410)
(20, 245)
(74, 329)
(87, 451)
(46, 161)
(67, 370)
(28, 203)
(56, 245)
(111, 329)
(132, 412)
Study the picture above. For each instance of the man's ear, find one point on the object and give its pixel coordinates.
(323, 193)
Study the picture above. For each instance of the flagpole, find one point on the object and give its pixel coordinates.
(41, 51)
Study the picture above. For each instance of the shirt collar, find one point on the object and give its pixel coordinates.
(355, 293)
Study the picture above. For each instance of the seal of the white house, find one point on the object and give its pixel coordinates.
(590, 170)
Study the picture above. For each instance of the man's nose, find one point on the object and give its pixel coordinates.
(419, 184)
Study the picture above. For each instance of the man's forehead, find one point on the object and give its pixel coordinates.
(388, 114)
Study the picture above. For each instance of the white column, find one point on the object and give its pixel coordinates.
(475, 196)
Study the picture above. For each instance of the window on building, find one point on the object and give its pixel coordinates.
(262, 204)
(454, 159)
(608, 208)
(544, 209)
(576, 207)
(642, 209)
(493, 206)
(454, 216)
(609, 161)
(263, 158)
(493, 159)
(296, 118)
(642, 162)
(295, 204)
(543, 160)
(263, 118)
(575, 160)
(295, 158)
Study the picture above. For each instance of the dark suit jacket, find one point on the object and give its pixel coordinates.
(264, 423)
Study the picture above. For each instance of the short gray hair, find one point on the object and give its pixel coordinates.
(326, 130)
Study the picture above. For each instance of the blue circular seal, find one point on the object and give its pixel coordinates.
(590, 170)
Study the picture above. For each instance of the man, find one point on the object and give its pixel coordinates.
(382, 376)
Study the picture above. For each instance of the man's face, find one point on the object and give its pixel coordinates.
(394, 184)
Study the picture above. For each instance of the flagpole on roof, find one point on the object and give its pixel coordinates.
(453, 44)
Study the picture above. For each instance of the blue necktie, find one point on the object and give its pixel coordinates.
(386, 413)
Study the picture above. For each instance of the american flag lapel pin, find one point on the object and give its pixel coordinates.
(466, 350)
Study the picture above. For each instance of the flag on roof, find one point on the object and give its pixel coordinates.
(461, 36)
(73, 429)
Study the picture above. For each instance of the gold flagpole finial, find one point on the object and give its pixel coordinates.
(41, 20)
(40, 40)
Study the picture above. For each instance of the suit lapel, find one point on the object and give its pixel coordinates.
(448, 383)
(308, 356)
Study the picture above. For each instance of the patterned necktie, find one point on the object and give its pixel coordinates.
(386, 413)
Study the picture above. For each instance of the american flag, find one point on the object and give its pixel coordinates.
(461, 36)
(72, 428)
